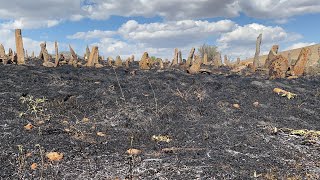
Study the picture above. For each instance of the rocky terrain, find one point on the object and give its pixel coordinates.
(178, 126)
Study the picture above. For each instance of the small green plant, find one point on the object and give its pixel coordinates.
(35, 106)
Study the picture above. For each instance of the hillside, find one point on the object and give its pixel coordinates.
(294, 54)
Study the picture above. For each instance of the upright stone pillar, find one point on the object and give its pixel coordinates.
(19, 47)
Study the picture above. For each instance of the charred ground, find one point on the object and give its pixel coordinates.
(210, 138)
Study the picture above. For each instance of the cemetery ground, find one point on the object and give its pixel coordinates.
(178, 126)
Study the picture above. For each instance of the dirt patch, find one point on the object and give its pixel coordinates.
(93, 116)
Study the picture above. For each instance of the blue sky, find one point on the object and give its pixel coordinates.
(125, 27)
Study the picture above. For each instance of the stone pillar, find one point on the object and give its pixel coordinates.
(190, 57)
(56, 62)
(176, 57)
(205, 59)
(74, 57)
(118, 62)
(180, 57)
(299, 67)
(238, 61)
(94, 55)
(19, 47)
(256, 62)
(272, 54)
(87, 54)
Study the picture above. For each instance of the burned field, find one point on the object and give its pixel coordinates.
(217, 126)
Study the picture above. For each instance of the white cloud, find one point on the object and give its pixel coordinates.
(241, 41)
(95, 34)
(41, 14)
(173, 33)
(278, 9)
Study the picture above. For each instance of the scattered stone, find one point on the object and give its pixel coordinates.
(118, 62)
(256, 104)
(272, 54)
(98, 66)
(144, 63)
(256, 62)
(299, 67)
(237, 106)
(45, 56)
(19, 47)
(278, 67)
(110, 61)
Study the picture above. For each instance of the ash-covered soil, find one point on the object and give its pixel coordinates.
(93, 116)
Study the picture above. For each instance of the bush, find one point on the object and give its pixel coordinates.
(212, 51)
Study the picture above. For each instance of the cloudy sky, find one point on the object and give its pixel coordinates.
(125, 27)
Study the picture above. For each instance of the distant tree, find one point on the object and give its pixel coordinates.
(212, 51)
(153, 58)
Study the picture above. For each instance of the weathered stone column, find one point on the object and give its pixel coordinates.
(205, 59)
(176, 57)
(94, 55)
(87, 54)
(190, 57)
(180, 57)
(299, 67)
(19, 47)
(256, 62)
(57, 54)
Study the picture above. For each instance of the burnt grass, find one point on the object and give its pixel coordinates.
(210, 139)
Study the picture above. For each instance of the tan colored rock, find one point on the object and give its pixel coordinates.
(238, 61)
(226, 61)
(161, 63)
(176, 57)
(132, 58)
(44, 53)
(56, 62)
(256, 61)
(27, 55)
(19, 47)
(110, 61)
(278, 67)
(87, 55)
(180, 57)
(145, 62)
(190, 57)
(48, 64)
(32, 55)
(272, 53)
(118, 62)
(217, 62)
(205, 59)
(3, 56)
(74, 58)
(299, 67)
(195, 67)
(94, 56)
(98, 66)
(128, 62)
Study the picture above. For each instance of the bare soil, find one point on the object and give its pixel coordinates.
(93, 116)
